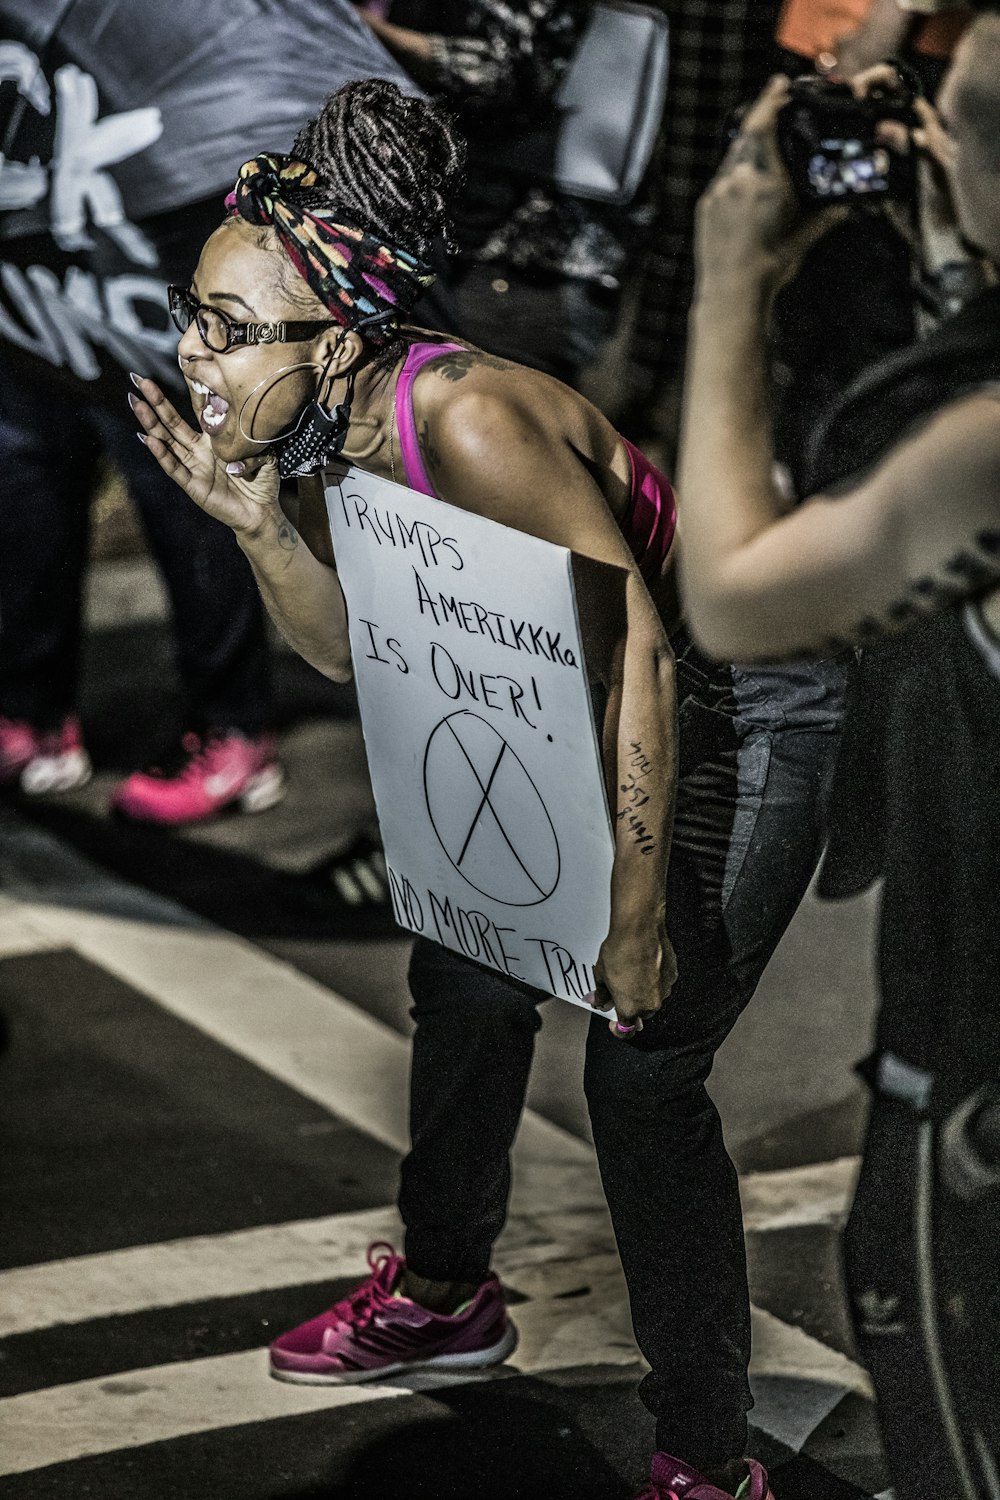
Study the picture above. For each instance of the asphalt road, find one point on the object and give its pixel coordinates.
(204, 1112)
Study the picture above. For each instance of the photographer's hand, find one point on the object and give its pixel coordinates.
(940, 237)
(751, 229)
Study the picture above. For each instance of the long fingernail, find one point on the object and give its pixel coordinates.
(133, 401)
(134, 377)
(142, 438)
(236, 468)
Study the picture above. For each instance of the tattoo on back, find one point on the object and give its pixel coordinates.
(971, 571)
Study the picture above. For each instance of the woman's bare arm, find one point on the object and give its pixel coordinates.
(499, 456)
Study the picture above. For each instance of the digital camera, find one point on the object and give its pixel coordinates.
(829, 142)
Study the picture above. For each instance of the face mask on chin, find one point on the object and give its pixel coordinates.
(317, 436)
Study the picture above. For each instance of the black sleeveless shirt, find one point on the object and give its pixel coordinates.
(917, 794)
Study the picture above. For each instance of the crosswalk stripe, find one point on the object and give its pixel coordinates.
(289, 1025)
(123, 1282)
(245, 1261)
(819, 1194)
(18, 936)
(108, 1414)
(782, 1350)
(558, 1243)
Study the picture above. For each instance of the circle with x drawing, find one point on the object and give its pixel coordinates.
(488, 813)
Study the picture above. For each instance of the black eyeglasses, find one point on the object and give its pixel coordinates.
(220, 334)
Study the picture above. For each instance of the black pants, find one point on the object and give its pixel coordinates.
(50, 446)
(746, 839)
(922, 1273)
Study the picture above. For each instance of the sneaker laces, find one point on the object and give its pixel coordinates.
(357, 1309)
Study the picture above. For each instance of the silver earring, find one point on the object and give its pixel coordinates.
(304, 364)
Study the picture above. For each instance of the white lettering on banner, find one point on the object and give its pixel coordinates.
(61, 322)
(85, 147)
(481, 740)
(64, 322)
(23, 184)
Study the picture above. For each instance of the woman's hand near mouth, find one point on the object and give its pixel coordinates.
(243, 495)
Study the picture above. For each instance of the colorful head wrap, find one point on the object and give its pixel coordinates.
(365, 283)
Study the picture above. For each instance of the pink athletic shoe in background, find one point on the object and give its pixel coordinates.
(670, 1479)
(222, 770)
(43, 761)
(373, 1333)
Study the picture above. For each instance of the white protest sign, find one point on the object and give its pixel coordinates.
(481, 741)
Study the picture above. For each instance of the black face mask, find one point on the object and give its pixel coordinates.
(317, 436)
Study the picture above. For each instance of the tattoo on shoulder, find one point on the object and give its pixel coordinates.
(288, 537)
(973, 569)
(456, 366)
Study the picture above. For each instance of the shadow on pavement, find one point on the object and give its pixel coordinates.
(504, 1441)
(232, 890)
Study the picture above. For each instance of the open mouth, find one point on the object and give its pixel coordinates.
(214, 407)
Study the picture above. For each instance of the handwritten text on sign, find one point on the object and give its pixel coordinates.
(480, 733)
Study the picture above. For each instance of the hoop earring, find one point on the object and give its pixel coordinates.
(275, 376)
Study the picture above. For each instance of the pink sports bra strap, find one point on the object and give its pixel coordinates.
(651, 519)
(406, 423)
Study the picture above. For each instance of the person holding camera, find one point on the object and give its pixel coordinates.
(897, 550)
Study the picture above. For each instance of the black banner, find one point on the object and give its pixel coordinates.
(122, 126)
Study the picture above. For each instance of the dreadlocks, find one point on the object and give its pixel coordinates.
(385, 161)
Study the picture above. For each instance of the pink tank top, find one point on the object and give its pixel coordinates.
(648, 524)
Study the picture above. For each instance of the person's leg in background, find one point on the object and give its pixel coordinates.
(721, 52)
(48, 460)
(223, 657)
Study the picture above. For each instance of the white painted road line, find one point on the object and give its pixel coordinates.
(170, 1401)
(18, 936)
(799, 1196)
(246, 1261)
(780, 1349)
(146, 1406)
(290, 1026)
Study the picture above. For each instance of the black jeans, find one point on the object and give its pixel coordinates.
(50, 446)
(747, 836)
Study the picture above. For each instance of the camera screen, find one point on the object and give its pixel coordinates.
(838, 168)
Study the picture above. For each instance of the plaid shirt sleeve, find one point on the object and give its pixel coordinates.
(721, 54)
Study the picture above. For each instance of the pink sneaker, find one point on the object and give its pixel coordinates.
(43, 761)
(17, 746)
(218, 771)
(372, 1333)
(670, 1479)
